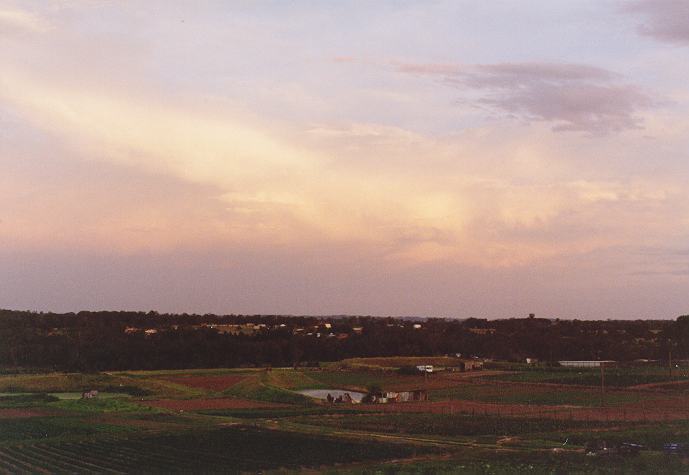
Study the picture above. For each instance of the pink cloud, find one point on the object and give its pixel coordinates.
(664, 20)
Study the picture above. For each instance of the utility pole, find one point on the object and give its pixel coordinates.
(669, 358)
(602, 384)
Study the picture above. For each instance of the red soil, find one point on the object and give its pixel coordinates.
(221, 403)
(213, 383)
(659, 410)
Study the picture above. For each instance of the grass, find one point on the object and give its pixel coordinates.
(55, 382)
(650, 435)
(277, 413)
(63, 383)
(451, 425)
(97, 405)
(114, 432)
(361, 380)
(395, 362)
(293, 379)
(43, 428)
(144, 374)
(614, 377)
(26, 400)
(258, 387)
(512, 394)
(477, 461)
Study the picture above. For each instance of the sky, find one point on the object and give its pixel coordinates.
(437, 158)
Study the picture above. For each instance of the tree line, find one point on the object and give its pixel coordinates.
(93, 341)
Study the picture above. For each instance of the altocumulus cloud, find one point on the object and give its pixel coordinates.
(664, 20)
(573, 97)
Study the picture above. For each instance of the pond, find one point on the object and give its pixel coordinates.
(323, 393)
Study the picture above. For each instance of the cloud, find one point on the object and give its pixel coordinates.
(14, 20)
(572, 97)
(664, 20)
(498, 196)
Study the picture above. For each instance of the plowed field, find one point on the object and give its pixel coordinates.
(668, 409)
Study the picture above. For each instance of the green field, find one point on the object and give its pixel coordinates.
(260, 423)
(514, 394)
(614, 377)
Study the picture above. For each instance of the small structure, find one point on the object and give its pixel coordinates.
(467, 365)
(415, 395)
(89, 394)
(345, 398)
(586, 364)
(387, 397)
(473, 365)
(675, 448)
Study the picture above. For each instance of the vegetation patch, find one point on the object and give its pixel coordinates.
(270, 413)
(210, 383)
(450, 425)
(221, 450)
(41, 428)
(97, 405)
(539, 395)
(217, 403)
(615, 377)
(26, 400)
(396, 362)
(258, 388)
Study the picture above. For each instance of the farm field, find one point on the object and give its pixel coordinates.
(536, 420)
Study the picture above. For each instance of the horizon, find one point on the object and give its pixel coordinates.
(390, 158)
(347, 316)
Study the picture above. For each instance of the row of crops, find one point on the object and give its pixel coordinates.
(221, 450)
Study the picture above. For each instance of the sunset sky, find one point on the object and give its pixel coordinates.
(437, 158)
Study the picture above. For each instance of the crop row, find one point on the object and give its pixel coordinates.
(223, 450)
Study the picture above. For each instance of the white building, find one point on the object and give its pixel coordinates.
(586, 364)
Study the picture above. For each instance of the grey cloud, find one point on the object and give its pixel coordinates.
(573, 97)
(664, 20)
